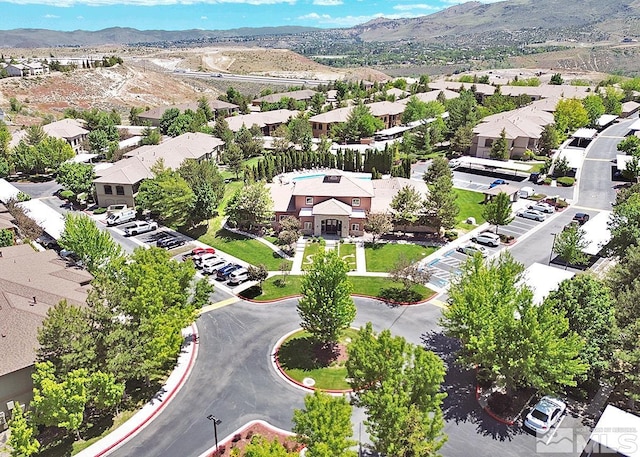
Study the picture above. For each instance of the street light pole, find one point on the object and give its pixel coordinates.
(552, 246)
(216, 422)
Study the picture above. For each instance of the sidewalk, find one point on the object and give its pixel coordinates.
(149, 411)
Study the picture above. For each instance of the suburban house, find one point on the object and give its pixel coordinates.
(153, 116)
(26, 69)
(16, 69)
(31, 282)
(431, 96)
(70, 130)
(267, 121)
(335, 203)
(388, 112)
(522, 128)
(482, 90)
(120, 183)
(629, 109)
(304, 95)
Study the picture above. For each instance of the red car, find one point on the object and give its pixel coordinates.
(198, 252)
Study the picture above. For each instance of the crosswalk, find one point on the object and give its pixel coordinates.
(443, 269)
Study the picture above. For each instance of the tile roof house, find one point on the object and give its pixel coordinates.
(298, 95)
(267, 121)
(335, 203)
(388, 112)
(522, 128)
(70, 130)
(431, 96)
(120, 182)
(154, 115)
(31, 282)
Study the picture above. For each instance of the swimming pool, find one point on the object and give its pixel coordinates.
(321, 175)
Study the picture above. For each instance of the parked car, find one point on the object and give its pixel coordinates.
(531, 214)
(213, 266)
(581, 218)
(139, 227)
(543, 207)
(196, 253)
(471, 250)
(239, 276)
(224, 272)
(455, 163)
(488, 238)
(537, 177)
(497, 182)
(545, 414)
(526, 192)
(203, 259)
(170, 243)
(112, 209)
(126, 215)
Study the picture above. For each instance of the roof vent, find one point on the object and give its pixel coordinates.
(332, 178)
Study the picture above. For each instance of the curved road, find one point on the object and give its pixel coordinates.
(233, 378)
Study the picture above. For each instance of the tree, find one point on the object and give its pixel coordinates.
(570, 245)
(415, 110)
(549, 139)
(260, 447)
(150, 135)
(360, 123)
(208, 188)
(134, 115)
(248, 141)
(167, 119)
(233, 157)
(324, 426)
(522, 344)
(250, 207)
(498, 211)
(5, 139)
(439, 167)
(203, 104)
(500, 147)
(22, 439)
(556, 79)
(409, 273)
(378, 224)
(594, 106)
(440, 203)
(462, 139)
(629, 145)
(398, 384)
(221, 130)
(258, 273)
(406, 205)
(77, 177)
(588, 305)
(462, 111)
(326, 307)
(6, 237)
(94, 247)
(290, 231)
(570, 115)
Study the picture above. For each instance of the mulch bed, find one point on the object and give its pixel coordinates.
(241, 439)
(509, 407)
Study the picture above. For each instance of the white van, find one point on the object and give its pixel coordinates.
(238, 276)
(526, 192)
(121, 217)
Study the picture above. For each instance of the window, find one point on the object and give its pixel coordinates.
(281, 218)
(355, 227)
(119, 190)
(488, 142)
(355, 202)
(308, 201)
(108, 190)
(307, 225)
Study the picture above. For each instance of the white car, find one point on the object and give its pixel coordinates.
(542, 207)
(139, 227)
(531, 214)
(545, 414)
(212, 267)
(471, 250)
(488, 238)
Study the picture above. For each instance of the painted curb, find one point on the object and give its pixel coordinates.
(487, 410)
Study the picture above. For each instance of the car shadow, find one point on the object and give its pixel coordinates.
(461, 404)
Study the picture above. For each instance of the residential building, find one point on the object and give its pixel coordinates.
(31, 283)
(304, 95)
(390, 113)
(522, 128)
(219, 107)
(70, 130)
(431, 96)
(335, 202)
(629, 109)
(119, 184)
(16, 69)
(267, 121)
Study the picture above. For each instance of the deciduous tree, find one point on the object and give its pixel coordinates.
(498, 211)
(570, 245)
(77, 177)
(250, 207)
(258, 273)
(324, 426)
(22, 433)
(378, 224)
(406, 205)
(326, 307)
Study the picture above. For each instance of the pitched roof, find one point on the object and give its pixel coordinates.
(341, 114)
(261, 119)
(386, 189)
(331, 207)
(65, 128)
(126, 171)
(431, 96)
(192, 145)
(333, 184)
(523, 122)
(305, 94)
(25, 274)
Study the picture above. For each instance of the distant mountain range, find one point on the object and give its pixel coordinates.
(514, 20)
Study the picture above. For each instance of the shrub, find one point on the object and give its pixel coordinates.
(566, 181)
(67, 194)
(22, 197)
(561, 204)
(100, 210)
(451, 235)
(547, 181)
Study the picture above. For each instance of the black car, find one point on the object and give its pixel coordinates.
(581, 218)
(170, 243)
(537, 177)
(224, 272)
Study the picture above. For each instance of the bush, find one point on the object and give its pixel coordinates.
(506, 238)
(100, 210)
(561, 204)
(566, 181)
(547, 181)
(22, 197)
(450, 235)
(67, 194)
(537, 197)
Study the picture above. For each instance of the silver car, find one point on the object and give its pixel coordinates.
(139, 227)
(545, 414)
(531, 214)
(542, 207)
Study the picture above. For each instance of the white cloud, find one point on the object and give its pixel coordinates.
(345, 21)
(80, 18)
(51, 16)
(419, 6)
(204, 18)
(68, 3)
(328, 2)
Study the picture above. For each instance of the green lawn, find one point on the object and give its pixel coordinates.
(384, 256)
(347, 252)
(300, 357)
(250, 162)
(244, 248)
(273, 289)
(310, 250)
(471, 205)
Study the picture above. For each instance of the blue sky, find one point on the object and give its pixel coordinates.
(206, 14)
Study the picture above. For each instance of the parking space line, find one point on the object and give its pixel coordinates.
(555, 429)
